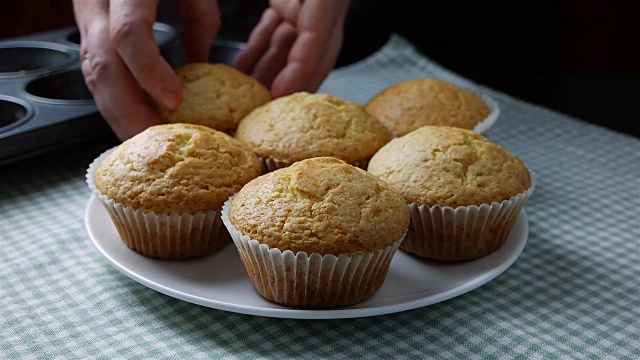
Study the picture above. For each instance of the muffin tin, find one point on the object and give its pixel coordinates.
(44, 102)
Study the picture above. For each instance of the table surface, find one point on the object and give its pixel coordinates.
(573, 293)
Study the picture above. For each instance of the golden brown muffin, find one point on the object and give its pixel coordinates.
(305, 125)
(408, 105)
(326, 222)
(173, 171)
(442, 166)
(320, 205)
(446, 166)
(215, 95)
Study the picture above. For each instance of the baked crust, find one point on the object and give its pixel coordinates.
(215, 95)
(408, 105)
(320, 205)
(177, 168)
(449, 166)
(305, 125)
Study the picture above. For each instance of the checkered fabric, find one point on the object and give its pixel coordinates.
(574, 293)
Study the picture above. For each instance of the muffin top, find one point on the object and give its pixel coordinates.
(215, 95)
(449, 166)
(305, 125)
(320, 205)
(176, 168)
(408, 105)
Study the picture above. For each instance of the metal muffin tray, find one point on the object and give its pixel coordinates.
(44, 102)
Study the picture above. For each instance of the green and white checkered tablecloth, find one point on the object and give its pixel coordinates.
(574, 292)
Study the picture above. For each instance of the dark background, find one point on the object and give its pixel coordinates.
(581, 58)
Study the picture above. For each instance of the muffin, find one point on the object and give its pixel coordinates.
(305, 125)
(164, 188)
(464, 191)
(411, 104)
(318, 234)
(215, 95)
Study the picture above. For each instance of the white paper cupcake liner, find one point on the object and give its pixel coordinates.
(269, 165)
(164, 236)
(310, 280)
(485, 125)
(464, 232)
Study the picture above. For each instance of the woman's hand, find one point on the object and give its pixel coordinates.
(295, 44)
(121, 59)
(293, 48)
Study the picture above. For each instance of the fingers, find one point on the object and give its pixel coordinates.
(295, 45)
(317, 22)
(275, 58)
(131, 29)
(121, 102)
(202, 22)
(314, 53)
(115, 90)
(288, 9)
(258, 42)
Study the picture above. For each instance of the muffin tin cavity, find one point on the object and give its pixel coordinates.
(21, 58)
(44, 101)
(13, 111)
(62, 87)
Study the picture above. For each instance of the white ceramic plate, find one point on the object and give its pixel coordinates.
(219, 281)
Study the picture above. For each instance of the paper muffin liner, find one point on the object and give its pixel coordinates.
(164, 236)
(485, 125)
(310, 280)
(464, 232)
(269, 165)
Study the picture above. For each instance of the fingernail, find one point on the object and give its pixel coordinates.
(170, 99)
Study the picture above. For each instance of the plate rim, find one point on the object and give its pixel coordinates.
(311, 314)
